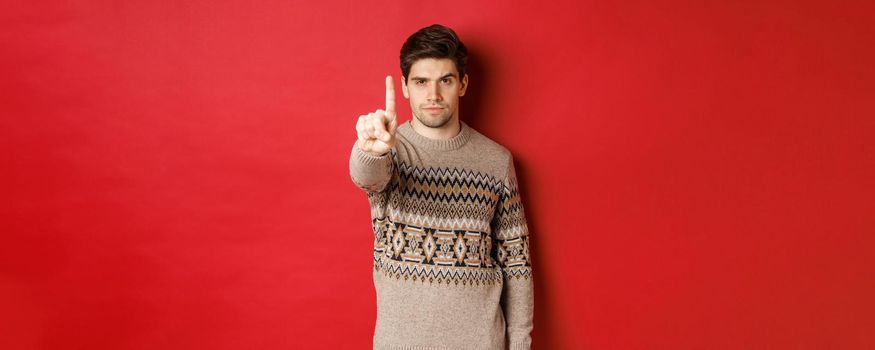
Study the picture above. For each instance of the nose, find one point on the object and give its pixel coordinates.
(434, 93)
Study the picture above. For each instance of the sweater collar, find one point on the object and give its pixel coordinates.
(452, 143)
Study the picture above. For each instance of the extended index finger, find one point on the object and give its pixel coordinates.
(390, 94)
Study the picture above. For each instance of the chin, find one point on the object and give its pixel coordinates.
(434, 121)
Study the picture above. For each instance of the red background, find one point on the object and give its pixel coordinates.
(696, 176)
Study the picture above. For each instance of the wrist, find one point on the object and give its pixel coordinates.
(370, 153)
(376, 155)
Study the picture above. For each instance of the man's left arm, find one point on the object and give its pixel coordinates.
(511, 237)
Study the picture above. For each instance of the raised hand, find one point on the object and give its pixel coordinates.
(376, 130)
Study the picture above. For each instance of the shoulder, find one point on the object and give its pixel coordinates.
(489, 146)
(490, 151)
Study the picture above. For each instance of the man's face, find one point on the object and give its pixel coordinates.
(433, 87)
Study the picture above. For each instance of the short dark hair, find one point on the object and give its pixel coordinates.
(434, 41)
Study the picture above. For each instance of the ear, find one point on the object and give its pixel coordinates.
(464, 85)
(404, 88)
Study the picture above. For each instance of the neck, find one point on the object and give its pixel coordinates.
(450, 129)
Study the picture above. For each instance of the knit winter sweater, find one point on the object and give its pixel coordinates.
(451, 245)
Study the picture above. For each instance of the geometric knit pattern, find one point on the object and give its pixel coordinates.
(451, 226)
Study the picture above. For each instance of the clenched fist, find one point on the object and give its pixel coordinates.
(376, 131)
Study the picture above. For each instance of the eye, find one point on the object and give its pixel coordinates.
(445, 80)
(420, 82)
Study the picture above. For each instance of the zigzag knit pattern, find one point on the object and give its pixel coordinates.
(449, 225)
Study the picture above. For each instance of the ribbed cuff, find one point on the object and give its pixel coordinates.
(366, 158)
(520, 346)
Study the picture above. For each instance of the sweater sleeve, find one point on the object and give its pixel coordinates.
(511, 237)
(368, 172)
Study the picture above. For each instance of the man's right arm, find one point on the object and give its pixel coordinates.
(370, 163)
(368, 172)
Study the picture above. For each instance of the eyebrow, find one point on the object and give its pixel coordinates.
(448, 75)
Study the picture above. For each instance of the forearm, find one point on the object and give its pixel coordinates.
(518, 305)
(368, 172)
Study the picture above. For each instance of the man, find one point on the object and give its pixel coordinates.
(451, 258)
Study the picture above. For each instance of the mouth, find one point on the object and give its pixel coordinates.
(432, 109)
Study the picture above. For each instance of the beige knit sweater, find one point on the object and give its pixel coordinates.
(451, 248)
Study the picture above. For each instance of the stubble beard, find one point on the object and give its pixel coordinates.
(434, 122)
